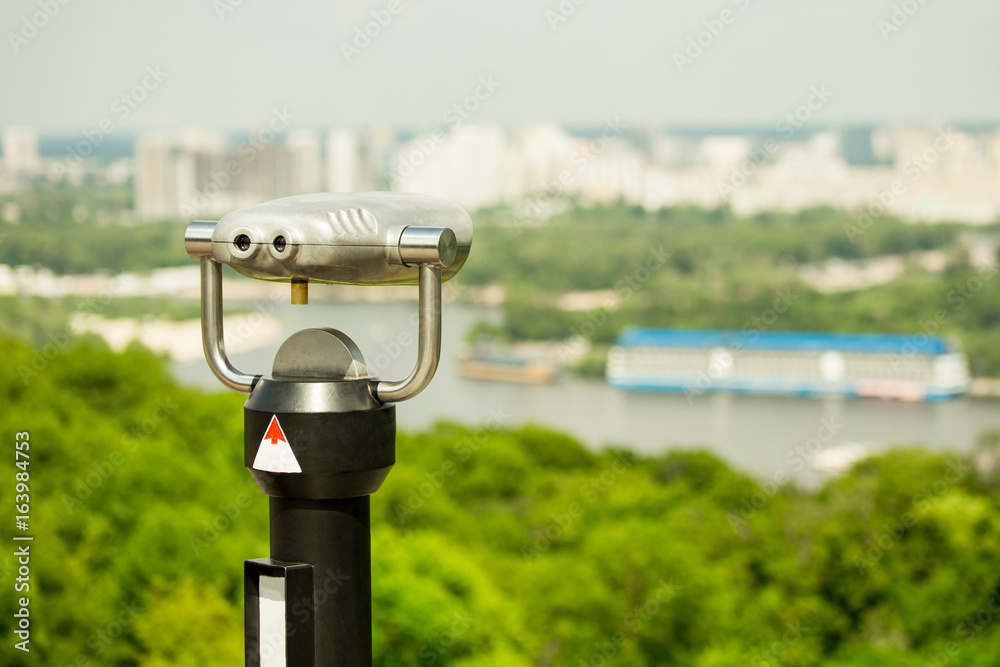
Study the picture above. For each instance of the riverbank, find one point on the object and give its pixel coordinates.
(184, 283)
(181, 341)
(985, 388)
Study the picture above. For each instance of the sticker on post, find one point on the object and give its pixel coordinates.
(274, 453)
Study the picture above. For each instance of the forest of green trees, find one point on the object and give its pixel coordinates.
(492, 546)
(77, 230)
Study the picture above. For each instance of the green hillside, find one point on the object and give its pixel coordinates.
(491, 547)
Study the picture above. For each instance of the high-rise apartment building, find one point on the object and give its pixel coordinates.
(20, 149)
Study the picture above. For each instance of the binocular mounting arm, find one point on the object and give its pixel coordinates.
(212, 333)
(428, 342)
(430, 249)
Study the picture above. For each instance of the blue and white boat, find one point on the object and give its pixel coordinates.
(914, 367)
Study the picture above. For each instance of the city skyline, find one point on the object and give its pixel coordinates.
(68, 67)
(913, 172)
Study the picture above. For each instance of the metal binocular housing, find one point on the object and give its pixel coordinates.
(371, 238)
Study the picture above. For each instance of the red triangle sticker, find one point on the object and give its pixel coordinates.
(274, 432)
(274, 454)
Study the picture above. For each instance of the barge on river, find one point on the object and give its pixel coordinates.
(914, 367)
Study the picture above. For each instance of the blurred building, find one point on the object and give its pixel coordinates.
(357, 162)
(609, 172)
(305, 170)
(545, 149)
(20, 149)
(199, 172)
(343, 161)
(472, 165)
(155, 177)
(857, 146)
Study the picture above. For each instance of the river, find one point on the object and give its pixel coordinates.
(757, 434)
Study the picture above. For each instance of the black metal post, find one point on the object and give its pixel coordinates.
(334, 536)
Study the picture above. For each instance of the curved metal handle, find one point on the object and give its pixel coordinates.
(211, 330)
(428, 342)
(430, 248)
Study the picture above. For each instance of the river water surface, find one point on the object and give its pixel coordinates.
(762, 435)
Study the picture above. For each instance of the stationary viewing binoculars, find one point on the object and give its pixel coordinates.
(319, 432)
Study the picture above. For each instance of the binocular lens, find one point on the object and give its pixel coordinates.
(242, 242)
(280, 243)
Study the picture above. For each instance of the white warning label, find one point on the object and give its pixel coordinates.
(274, 453)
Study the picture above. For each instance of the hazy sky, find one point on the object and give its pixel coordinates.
(607, 58)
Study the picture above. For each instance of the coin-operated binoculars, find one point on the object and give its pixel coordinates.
(320, 433)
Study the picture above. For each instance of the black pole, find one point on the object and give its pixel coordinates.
(334, 536)
(319, 449)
